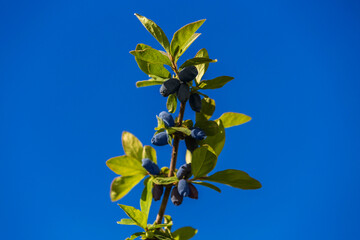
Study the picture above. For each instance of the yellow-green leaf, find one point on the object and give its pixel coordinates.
(231, 119)
(150, 153)
(215, 83)
(197, 61)
(201, 67)
(171, 103)
(120, 186)
(132, 146)
(217, 141)
(126, 166)
(184, 233)
(152, 56)
(203, 161)
(135, 214)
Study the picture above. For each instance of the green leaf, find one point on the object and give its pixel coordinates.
(151, 55)
(211, 128)
(171, 103)
(197, 61)
(157, 226)
(234, 178)
(189, 42)
(125, 166)
(135, 214)
(184, 130)
(135, 235)
(161, 124)
(151, 69)
(184, 233)
(188, 123)
(215, 83)
(188, 157)
(168, 221)
(146, 197)
(126, 221)
(165, 180)
(132, 146)
(150, 82)
(209, 185)
(231, 119)
(217, 141)
(182, 38)
(155, 30)
(207, 109)
(120, 186)
(201, 67)
(203, 161)
(150, 153)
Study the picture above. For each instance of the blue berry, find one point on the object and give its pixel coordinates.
(188, 74)
(198, 134)
(184, 171)
(160, 139)
(157, 192)
(193, 192)
(195, 102)
(167, 118)
(183, 93)
(150, 166)
(191, 143)
(176, 198)
(183, 188)
(169, 86)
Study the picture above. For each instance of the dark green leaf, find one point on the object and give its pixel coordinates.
(150, 153)
(125, 166)
(217, 141)
(211, 128)
(215, 83)
(171, 103)
(150, 82)
(151, 69)
(188, 123)
(151, 55)
(155, 30)
(207, 109)
(234, 178)
(196, 61)
(203, 161)
(201, 67)
(132, 146)
(184, 233)
(135, 214)
(183, 37)
(146, 197)
(165, 180)
(209, 185)
(231, 119)
(120, 186)
(126, 221)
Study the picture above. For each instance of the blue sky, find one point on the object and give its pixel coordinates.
(67, 91)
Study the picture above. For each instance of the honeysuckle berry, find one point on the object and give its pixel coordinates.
(184, 171)
(183, 188)
(193, 192)
(188, 74)
(157, 191)
(167, 119)
(191, 143)
(160, 139)
(169, 86)
(183, 92)
(176, 198)
(150, 166)
(198, 134)
(195, 102)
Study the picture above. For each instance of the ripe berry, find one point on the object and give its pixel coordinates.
(195, 102)
(157, 192)
(160, 139)
(150, 166)
(188, 74)
(183, 93)
(191, 143)
(184, 171)
(193, 192)
(169, 86)
(198, 134)
(167, 118)
(176, 198)
(183, 188)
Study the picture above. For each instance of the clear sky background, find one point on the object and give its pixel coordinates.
(67, 91)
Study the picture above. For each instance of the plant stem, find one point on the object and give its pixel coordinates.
(175, 148)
